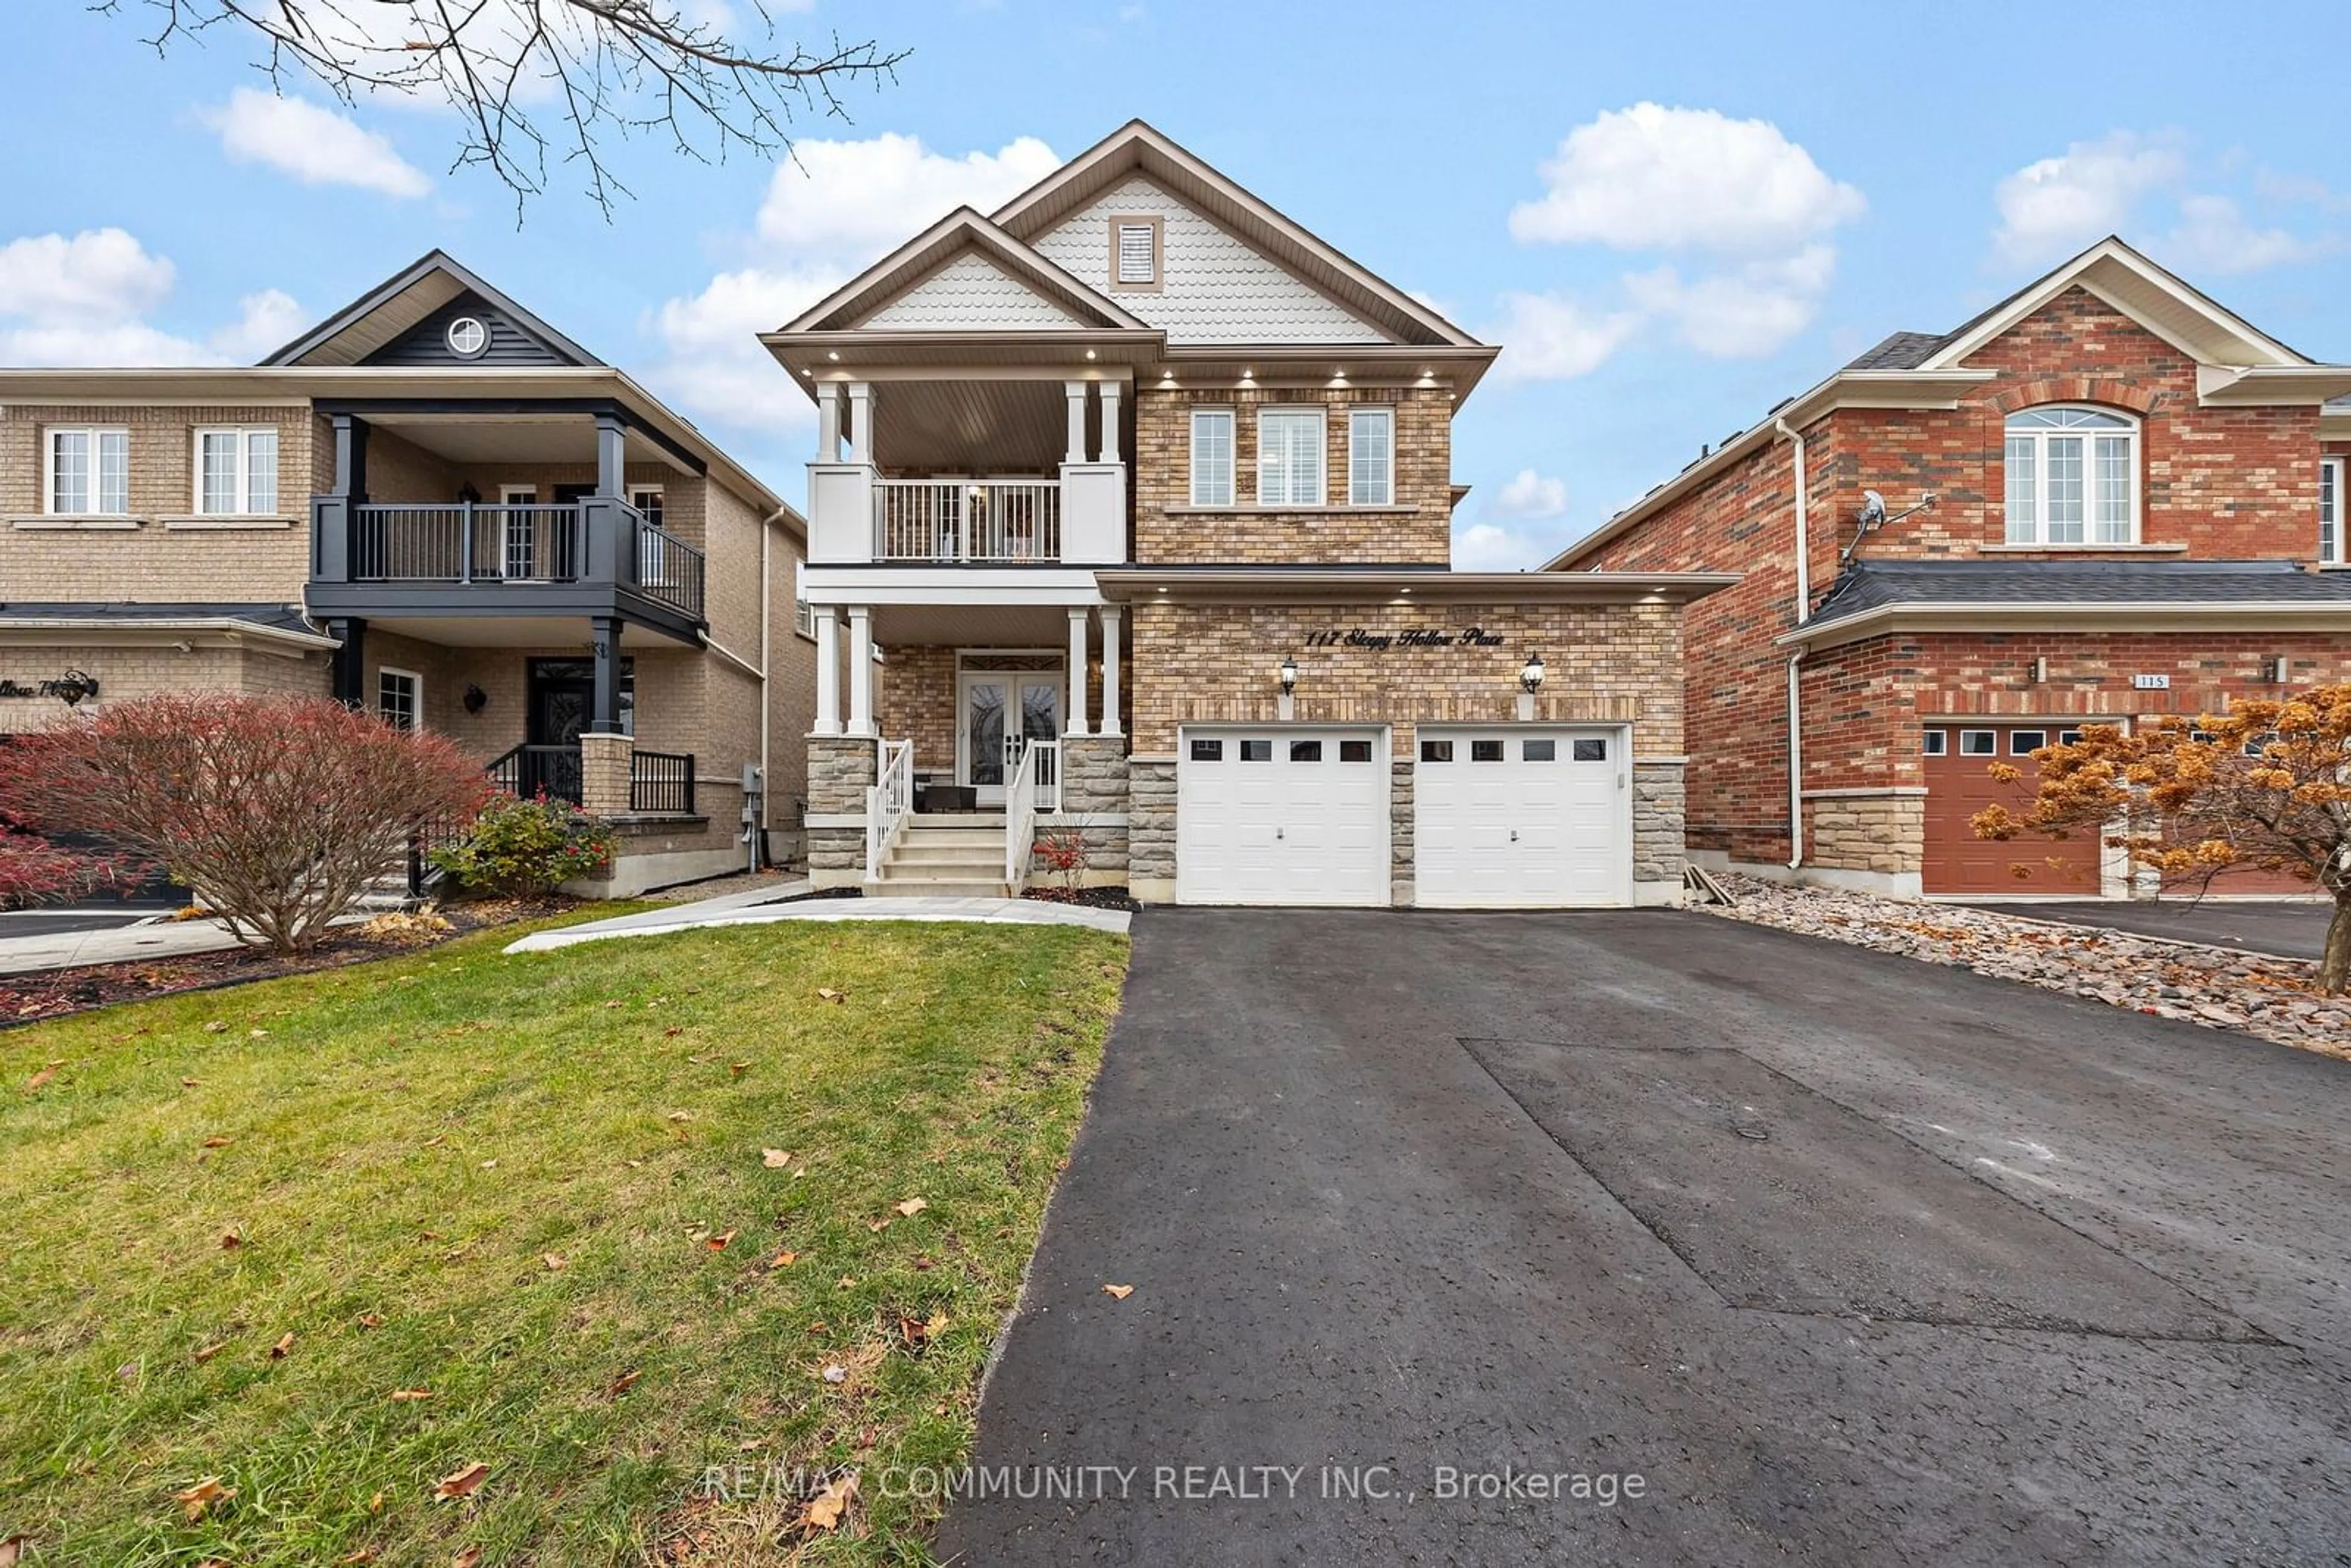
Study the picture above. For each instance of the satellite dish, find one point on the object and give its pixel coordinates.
(1873, 509)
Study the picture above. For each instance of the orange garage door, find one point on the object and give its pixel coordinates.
(1959, 760)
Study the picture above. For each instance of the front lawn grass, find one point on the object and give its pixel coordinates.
(534, 1189)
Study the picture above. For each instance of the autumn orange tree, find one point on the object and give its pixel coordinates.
(2266, 785)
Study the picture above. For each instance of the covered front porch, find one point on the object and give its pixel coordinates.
(999, 723)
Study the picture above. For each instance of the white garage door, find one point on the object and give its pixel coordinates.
(1523, 819)
(1282, 815)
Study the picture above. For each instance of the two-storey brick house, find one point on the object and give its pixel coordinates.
(1143, 495)
(2104, 498)
(435, 506)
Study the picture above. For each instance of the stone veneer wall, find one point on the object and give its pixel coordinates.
(840, 770)
(1885, 834)
(1151, 828)
(1094, 791)
(1658, 806)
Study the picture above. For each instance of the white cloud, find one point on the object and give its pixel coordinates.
(1530, 495)
(2214, 236)
(84, 301)
(314, 145)
(2054, 207)
(1742, 314)
(101, 272)
(1487, 546)
(1547, 337)
(854, 202)
(829, 211)
(1653, 178)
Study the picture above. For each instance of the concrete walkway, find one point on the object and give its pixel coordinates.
(760, 907)
(114, 945)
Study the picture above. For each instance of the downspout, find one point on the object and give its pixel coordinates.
(767, 770)
(1804, 612)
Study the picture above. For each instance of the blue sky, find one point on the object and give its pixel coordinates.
(1670, 220)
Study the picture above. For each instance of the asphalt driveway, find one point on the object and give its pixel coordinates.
(2290, 929)
(1848, 1257)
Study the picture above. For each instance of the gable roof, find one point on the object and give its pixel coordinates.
(961, 232)
(1139, 147)
(381, 317)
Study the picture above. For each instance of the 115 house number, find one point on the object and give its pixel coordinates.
(2151, 683)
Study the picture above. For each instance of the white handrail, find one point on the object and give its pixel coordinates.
(1020, 819)
(966, 520)
(888, 803)
(1049, 773)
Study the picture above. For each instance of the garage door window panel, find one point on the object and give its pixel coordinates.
(1436, 751)
(1355, 751)
(1306, 751)
(1256, 751)
(1978, 743)
(1485, 751)
(1541, 751)
(1935, 743)
(2025, 742)
(1208, 751)
(1590, 749)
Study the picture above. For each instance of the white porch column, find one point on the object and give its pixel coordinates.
(828, 421)
(828, 670)
(861, 670)
(1076, 392)
(1109, 422)
(1077, 670)
(1111, 616)
(861, 421)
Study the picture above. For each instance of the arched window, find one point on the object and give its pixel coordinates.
(2072, 478)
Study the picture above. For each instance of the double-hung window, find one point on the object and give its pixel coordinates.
(2331, 475)
(2072, 477)
(1371, 457)
(236, 472)
(1212, 457)
(89, 471)
(1290, 457)
(400, 698)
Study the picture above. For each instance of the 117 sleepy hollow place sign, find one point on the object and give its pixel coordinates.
(69, 688)
(1417, 637)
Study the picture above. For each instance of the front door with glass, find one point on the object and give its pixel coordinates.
(1002, 711)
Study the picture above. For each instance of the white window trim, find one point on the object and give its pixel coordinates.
(1387, 480)
(2131, 432)
(2341, 470)
(1321, 417)
(49, 434)
(1231, 417)
(636, 490)
(416, 689)
(244, 507)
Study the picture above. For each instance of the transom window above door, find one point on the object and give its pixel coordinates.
(2072, 477)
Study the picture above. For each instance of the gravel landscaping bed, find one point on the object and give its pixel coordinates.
(2271, 997)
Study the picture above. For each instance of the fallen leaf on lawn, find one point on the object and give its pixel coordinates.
(206, 1352)
(283, 1348)
(877, 1226)
(820, 1327)
(1118, 1292)
(11, 1548)
(410, 1395)
(671, 1030)
(847, 1281)
(556, 1260)
(435, 1138)
(867, 1437)
(775, 1159)
(202, 1496)
(37, 1078)
(783, 1259)
(463, 1482)
(257, 1033)
(215, 1027)
(917, 1331)
(681, 1116)
(189, 1083)
(836, 1374)
(489, 1164)
(824, 1509)
(470, 1555)
(826, 993)
(753, 1443)
(370, 1320)
(615, 1004)
(230, 1241)
(737, 1066)
(375, 1503)
(623, 1383)
(912, 1206)
(218, 1143)
(718, 1242)
(364, 1554)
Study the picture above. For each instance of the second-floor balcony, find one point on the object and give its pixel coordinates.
(468, 543)
(950, 520)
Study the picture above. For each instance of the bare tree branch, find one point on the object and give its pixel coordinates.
(532, 80)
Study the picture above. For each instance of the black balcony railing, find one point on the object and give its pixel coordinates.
(529, 771)
(600, 539)
(660, 781)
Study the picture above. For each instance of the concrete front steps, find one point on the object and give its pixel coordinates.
(958, 854)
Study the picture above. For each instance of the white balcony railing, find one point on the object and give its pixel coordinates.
(966, 520)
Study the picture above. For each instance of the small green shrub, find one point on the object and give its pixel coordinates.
(525, 848)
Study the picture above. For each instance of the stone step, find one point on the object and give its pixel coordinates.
(934, 887)
(972, 838)
(946, 854)
(918, 821)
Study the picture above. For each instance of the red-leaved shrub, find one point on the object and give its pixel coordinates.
(34, 870)
(277, 811)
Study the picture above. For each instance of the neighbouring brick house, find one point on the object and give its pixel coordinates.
(435, 506)
(2106, 498)
(1136, 498)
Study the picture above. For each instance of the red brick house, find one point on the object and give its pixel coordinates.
(2106, 497)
